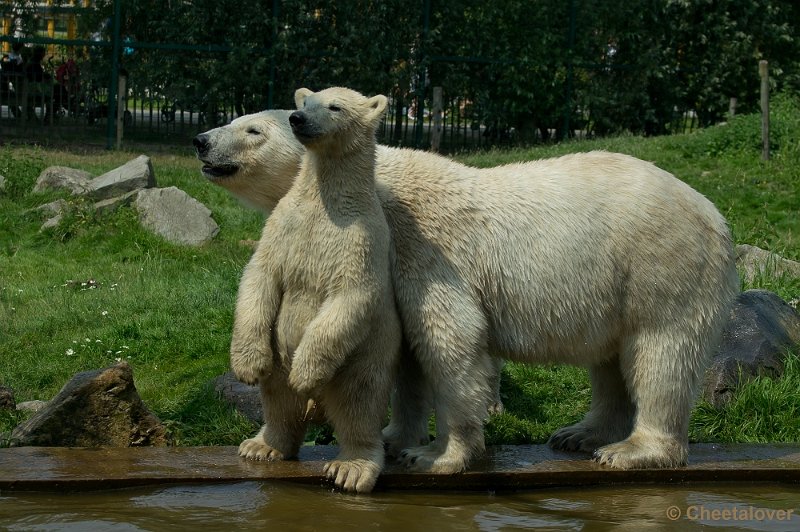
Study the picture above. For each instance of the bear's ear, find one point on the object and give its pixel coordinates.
(377, 106)
(300, 96)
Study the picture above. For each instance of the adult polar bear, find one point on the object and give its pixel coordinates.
(595, 259)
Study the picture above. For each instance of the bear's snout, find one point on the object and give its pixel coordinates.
(303, 128)
(201, 143)
(297, 119)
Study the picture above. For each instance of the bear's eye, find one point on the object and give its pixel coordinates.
(333, 107)
(253, 131)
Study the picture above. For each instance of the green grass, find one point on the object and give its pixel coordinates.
(168, 310)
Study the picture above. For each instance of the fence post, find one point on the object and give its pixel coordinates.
(437, 111)
(421, 74)
(763, 71)
(112, 90)
(570, 67)
(732, 107)
(121, 102)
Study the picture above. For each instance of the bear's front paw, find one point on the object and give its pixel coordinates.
(257, 449)
(306, 377)
(250, 362)
(358, 475)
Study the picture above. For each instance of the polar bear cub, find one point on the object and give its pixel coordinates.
(315, 315)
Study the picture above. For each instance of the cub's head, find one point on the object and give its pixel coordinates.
(337, 118)
(256, 157)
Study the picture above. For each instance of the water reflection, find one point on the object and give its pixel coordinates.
(278, 506)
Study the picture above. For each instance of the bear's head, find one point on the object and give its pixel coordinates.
(256, 157)
(337, 119)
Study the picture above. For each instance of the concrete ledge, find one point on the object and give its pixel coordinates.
(505, 467)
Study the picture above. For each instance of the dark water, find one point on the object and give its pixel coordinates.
(260, 506)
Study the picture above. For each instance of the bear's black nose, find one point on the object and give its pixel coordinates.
(297, 119)
(201, 143)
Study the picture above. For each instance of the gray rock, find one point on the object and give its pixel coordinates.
(107, 206)
(96, 408)
(7, 401)
(54, 208)
(133, 175)
(176, 216)
(51, 223)
(244, 398)
(63, 178)
(755, 341)
(31, 406)
(754, 262)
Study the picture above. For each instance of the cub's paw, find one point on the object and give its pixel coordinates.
(578, 437)
(305, 376)
(250, 362)
(430, 459)
(257, 449)
(395, 439)
(358, 475)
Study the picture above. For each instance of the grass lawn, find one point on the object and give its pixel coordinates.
(168, 310)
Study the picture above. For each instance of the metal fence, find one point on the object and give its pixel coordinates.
(82, 93)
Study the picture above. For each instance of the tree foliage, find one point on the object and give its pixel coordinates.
(535, 66)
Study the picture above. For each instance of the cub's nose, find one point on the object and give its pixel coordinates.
(201, 144)
(297, 119)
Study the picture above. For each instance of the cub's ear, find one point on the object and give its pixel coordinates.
(300, 96)
(377, 106)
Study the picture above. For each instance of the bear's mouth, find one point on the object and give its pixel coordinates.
(219, 171)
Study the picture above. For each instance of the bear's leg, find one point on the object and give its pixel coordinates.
(412, 403)
(355, 403)
(452, 351)
(610, 416)
(662, 372)
(284, 422)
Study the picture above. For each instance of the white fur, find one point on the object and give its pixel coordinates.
(595, 259)
(315, 316)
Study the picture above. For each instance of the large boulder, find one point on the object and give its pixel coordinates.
(133, 175)
(762, 327)
(63, 178)
(95, 409)
(176, 216)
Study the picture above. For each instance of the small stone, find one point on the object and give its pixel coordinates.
(31, 406)
(753, 261)
(7, 401)
(63, 178)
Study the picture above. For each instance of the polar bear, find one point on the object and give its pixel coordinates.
(315, 314)
(596, 259)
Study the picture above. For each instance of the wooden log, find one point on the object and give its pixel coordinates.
(503, 467)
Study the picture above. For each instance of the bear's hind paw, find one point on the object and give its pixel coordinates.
(638, 453)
